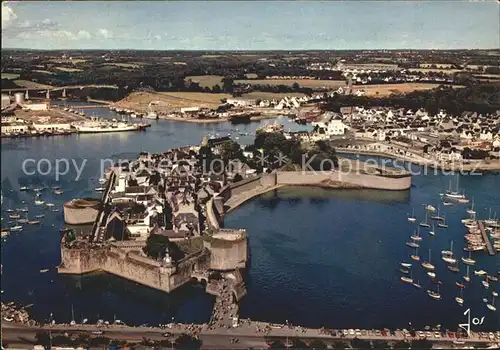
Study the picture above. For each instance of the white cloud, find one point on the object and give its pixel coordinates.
(106, 34)
(157, 37)
(83, 34)
(8, 15)
(64, 35)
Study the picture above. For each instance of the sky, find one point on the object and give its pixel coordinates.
(251, 25)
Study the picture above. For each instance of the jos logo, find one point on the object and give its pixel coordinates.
(475, 321)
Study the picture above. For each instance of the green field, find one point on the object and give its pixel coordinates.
(206, 80)
(10, 76)
(308, 83)
(30, 84)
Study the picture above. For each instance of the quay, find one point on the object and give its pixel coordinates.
(486, 239)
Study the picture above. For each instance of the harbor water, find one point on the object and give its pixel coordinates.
(318, 257)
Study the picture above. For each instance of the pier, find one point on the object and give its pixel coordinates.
(486, 239)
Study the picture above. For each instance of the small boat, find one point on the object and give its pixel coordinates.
(492, 278)
(58, 192)
(406, 279)
(460, 299)
(434, 294)
(34, 222)
(480, 273)
(100, 189)
(412, 244)
(435, 281)
(14, 216)
(431, 274)
(437, 217)
(39, 202)
(9, 210)
(55, 210)
(495, 294)
(430, 208)
(492, 305)
(425, 223)
(102, 180)
(447, 204)
(469, 260)
(448, 255)
(23, 188)
(485, 284)
(416, 235)
(471, 210)
(453, 268)
(485, 300)
(39, 216)
(23, 210)
(415, 257)
(460, 285)
(417, 285)
(406, 264)
(458, 342)
(427, 264)
(16, 228)
(432, 232)
(44, 270)
(404, 271)
(23, 221)
(443, 223)
(50, 204)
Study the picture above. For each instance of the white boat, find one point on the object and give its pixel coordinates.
(412, 218)
(102, 180)
(495, 294)
(58, 192)
(448, 255)
(23, 188)
(427, 264)
(406, 264)
(33, 222)
(434, 295)
(425, 223)
(100, 189)
(437, 216)
(14, 216)
(447, 204)
(492, 305)
(454, 194)
(443, 223)
(480, 273)
(44, 270)
(98, 126)
(412, 244)
(39, 216)
(39, 202)
(50, 204)
(460, 299)
(16, 228)
(485, 284)
(471, 210)
(417, 285)
(416, 235)
(469, 260)
(432, 232)
(430, 208)
(406, 279)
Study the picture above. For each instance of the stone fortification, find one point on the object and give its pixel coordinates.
(228, 249)
(81, 211)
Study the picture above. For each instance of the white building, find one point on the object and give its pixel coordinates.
(14, 128)
(336, 128)
(52, 127)
(36, 106)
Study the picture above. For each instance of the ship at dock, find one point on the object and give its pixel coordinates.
(99, 126)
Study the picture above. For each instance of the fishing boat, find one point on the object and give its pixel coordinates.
(443, 223)
(460, 285)
(100, 189)
(406, 264)
(434, 294)
(437, 216)
(453, 268)
(447, 255)
(412, 218)
(480, 273)
(412, 244)
(471, 210)
(432, 232)
(460, 299)
(467, 277)
(416, 235)
(16, 228)
(44, 270)
(469, 260)
(492, 305)
(425, 223)
(427, 264)
(485, 284)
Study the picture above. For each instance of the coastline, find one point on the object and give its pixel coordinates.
(492, 167)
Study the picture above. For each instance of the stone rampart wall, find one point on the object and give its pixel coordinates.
(79, 216)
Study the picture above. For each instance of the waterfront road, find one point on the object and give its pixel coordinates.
(249, 334)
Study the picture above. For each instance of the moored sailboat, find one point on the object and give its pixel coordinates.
(492, 305)
(425, 223)
(412, 218)
(434, 294)
(443, 224)
(469, 260)
(427, 264)
(460, 299)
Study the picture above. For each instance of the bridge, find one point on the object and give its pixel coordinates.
(486, 239)
(59, 88)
